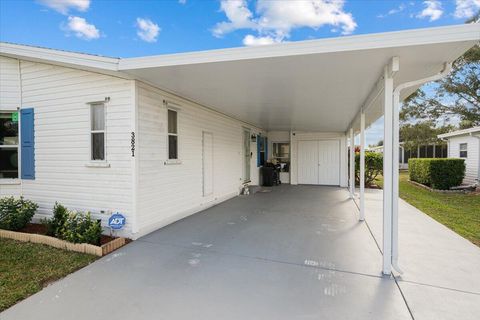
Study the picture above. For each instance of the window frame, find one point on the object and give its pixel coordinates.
(170, 107)
(12, 146)
(460, 150)
(91, 105)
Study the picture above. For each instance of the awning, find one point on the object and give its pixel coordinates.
(317, 85)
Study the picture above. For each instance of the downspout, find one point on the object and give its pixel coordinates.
(396, 127)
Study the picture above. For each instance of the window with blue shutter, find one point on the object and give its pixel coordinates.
(27, 131)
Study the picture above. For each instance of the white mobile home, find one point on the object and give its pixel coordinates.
(159, 138)
(465, 144)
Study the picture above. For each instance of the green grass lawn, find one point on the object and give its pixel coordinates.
(26, 268)
(458, 211)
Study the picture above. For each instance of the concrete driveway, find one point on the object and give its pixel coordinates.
(297, 252)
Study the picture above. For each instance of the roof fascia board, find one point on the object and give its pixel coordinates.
(458, 33)
(58, 57)
(459, 133)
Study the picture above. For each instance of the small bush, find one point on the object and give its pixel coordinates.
(16, 213)
(439, 174)
(73, 226)
(373, 166)
(54, 225)
(81, 228)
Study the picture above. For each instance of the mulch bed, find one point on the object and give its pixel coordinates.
(37, 228)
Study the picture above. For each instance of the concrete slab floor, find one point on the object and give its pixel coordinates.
(441, 277)
(297, 252)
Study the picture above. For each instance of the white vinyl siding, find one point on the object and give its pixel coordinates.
(471, 161)
(167, 193)
(60, 97)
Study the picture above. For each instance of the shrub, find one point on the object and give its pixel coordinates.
(81, 228)
(73, 226)
(16, 213)
(373, 166)
(437, 173)
(54, 225)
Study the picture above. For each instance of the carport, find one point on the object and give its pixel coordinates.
(294, 251)
(339, 85)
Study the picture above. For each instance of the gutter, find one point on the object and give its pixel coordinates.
(396, 137)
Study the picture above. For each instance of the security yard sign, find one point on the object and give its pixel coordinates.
(116, 221)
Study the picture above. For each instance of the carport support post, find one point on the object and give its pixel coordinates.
(362, 165)
(387, 170)
(352, 164)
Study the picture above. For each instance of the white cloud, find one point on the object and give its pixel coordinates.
(466, 8)
(81, 28)
(238, 14)
(433, 10)
(182, 1)
(274, 20)
(64, 6)
(147, 30)
(251, 40)
(393, 11)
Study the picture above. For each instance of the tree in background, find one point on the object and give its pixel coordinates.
(456, 98)
(419, 134)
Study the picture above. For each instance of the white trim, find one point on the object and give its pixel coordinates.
(362, 166)
(135, 159)
(97, 164)
(9, 181)
(58, 56)
(91, 105)
(457, 33)
(459, 133)
(14, 146)
(175, 109)
(387, 172)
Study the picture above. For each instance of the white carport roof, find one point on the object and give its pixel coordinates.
(317, 85)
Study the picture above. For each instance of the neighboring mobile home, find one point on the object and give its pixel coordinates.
(465, 144)
(159, 138)
(433, 150)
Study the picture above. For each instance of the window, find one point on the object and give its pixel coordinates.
(9, 145)
(97, 111)
(463, 150)
(172, 134)
(281, 153)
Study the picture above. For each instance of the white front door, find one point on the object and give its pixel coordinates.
(319, 162)
(329, 162)
(246, 155)
(207, 163)
(308, 162)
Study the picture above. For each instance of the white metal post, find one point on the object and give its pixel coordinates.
(352, 164)
(395, 178)
(362, 166)
(387, 171)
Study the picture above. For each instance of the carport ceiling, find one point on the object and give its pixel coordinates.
(315, 85)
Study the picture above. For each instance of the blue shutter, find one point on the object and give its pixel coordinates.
(266, 148)
(259, 145)
(27, 143)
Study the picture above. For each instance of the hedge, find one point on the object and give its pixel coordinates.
(439, 174)
(373, 166)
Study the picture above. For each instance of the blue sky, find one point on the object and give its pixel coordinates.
(114, 28)
(129, 28)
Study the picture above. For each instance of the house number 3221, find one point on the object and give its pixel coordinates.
(132, 143)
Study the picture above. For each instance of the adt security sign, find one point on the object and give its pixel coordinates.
(116, 221)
